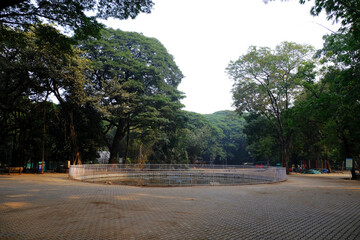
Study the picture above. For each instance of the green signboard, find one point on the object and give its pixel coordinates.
(348, 163)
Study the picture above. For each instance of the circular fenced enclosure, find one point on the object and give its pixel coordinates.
(176, 174)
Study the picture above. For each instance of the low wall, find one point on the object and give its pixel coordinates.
(230, 175)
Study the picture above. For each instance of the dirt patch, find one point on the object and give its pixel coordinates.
(14, 205)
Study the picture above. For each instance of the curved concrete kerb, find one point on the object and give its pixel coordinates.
(176, 175)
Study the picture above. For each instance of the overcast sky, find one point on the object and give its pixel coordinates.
(205, 35)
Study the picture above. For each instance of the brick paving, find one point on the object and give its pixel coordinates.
(305, 207)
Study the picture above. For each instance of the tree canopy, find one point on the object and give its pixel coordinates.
(230, 138)
(117, 91)
(133, 81)
(73, 15)
(35, 64)
(267, 81)
(322, 120)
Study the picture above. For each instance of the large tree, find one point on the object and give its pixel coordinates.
(267, 81)
(34, 64)
(79, 16)
(134, 83)
(337, 105)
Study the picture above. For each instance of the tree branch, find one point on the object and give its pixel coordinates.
(9, 3)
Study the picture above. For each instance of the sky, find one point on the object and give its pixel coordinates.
(205, 35)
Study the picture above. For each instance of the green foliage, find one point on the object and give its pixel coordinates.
(133, 83)
(88, 124)
(339, 10)
(201, 139)
(325, 116)
(120, 90)
(267, 81)
(37, 63)
(261, 138)
(231, 140)
(15, 82)
(130, 97)
(71, 14)
(215, 138)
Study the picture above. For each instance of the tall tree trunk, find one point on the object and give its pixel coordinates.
(140, 158)
(329, 167)
(286, 159)
(18, 147)
(14, 152)
(44, 135)
(127, 141)
(353, 173)
(21, 148)
(4, 132)
(119, 135)
(76, 159)
(285, 155)
(347, 154)
(327, 162)
(356, 164)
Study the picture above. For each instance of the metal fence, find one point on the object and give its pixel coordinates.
(176, 174)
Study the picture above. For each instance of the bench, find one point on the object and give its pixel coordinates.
(15, 169)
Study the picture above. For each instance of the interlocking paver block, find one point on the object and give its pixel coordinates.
(52, 207)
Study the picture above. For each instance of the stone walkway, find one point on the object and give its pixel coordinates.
(305, 207)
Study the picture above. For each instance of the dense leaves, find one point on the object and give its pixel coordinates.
(262, 142)
(133, 83)
(119, 93)
(35, 64)
(230, 140)
(323, 117)
(267, 81)
(73, 15)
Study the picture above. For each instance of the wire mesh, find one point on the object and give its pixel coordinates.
(176, 174)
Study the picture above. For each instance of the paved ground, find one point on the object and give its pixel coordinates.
(52, 207)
